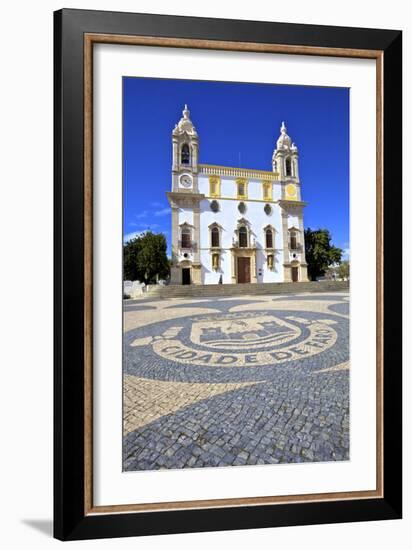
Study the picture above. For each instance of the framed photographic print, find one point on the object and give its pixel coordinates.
(227, 274)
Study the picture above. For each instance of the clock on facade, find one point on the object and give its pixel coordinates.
(185, 180)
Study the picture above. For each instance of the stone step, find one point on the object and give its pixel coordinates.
(175, 291)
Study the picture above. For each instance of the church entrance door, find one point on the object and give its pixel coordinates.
(295, 274)
(185, 275)
(243, 270)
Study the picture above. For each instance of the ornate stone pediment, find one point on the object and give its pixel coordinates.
(185, 125)
(243, 221)
(215, 224)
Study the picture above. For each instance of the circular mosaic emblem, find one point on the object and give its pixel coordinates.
(241, 339)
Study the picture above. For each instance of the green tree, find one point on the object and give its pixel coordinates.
(344, 270)
(145, 259)
(320, 253)
(131, 250)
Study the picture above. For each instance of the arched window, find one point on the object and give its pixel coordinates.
(293, 239)
(186, 241)
(288, 166)
(243, 237)
(269, 238)
(185, 154)
(215, 237)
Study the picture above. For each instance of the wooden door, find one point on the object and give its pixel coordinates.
(186, 276)
(243, 270)
(295, 274)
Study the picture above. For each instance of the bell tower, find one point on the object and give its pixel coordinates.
(184, 200)
(285, 161)
(185, 155)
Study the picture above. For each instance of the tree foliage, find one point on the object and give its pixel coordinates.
(344, 270)
(145, 259)
(320, 253)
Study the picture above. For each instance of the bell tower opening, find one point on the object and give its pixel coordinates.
(288, 166)
(185, 154)
(185, 147)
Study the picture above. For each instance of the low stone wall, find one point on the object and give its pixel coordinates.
(246, 289)
(133, 289)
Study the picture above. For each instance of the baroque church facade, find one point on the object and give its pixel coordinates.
(235, 225)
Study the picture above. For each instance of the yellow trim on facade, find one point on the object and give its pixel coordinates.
(267, 188)
(214, 186)
(244, 183)
(291, 193)
(233, 171)
(215, 261)
(235, 198)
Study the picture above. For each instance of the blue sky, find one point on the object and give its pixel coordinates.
(238, 125)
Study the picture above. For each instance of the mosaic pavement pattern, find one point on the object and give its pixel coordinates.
(235, 381)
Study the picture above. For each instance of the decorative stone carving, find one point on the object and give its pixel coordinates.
(185, 125)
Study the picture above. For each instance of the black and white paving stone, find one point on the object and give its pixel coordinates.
(226, 382)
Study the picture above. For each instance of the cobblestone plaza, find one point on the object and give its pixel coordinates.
(235, 381)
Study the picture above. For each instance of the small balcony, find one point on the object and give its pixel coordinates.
(244, 242)
(187, 245)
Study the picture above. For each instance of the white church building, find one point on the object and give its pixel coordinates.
(235, 225)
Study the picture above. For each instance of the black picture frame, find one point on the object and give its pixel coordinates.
(71, 522)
